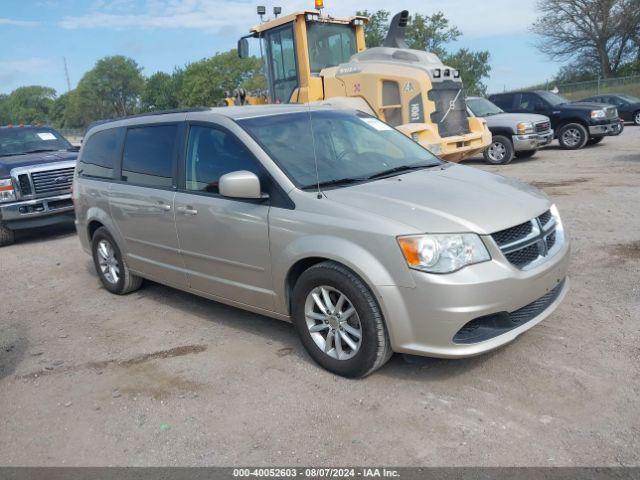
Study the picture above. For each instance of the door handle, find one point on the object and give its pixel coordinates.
(188, 210)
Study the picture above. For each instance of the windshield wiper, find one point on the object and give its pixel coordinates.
(40, 150)
(334, 183)
(396, 170)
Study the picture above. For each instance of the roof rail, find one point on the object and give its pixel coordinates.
(148, 114)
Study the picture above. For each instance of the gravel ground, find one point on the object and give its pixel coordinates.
(161, 377)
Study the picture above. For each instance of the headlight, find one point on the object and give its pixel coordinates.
(598, 114)
(524, 127)
(443, 253)
(7, 193)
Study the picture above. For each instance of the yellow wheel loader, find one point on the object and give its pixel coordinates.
(313, 57)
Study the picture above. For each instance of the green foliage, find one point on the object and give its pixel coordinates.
(376, 30)
(161, 91)
(207, 81)
(432, 33)
(31, 104)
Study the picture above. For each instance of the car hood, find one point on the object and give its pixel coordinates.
(447, 199)
(586, 105)
(30, 159)
(505, 119)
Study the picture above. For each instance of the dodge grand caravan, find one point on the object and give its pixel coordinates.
(327, 218)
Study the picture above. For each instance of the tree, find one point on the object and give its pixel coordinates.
(205, 82)
(376, 30)
(161, 91)
(593, 35)
(432, 33)
(111, 89)
(4, 109)
(30, 104)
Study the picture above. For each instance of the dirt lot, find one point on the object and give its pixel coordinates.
(161, 377)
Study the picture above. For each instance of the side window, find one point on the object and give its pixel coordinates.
(211, 153)
(148, 155)
(281, 49)
(505, 102)
(531, 103)
(101, 154)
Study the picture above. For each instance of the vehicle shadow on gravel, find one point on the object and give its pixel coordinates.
(44, 234)
(13, 345)
(282, 338)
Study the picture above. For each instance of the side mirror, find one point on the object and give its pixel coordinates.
(243, 48)
(240, 184)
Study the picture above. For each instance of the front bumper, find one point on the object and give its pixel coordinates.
(38, 212)
(532, 141)
(424, 320)
(604, 129)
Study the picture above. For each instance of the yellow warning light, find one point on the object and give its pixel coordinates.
(319, 4)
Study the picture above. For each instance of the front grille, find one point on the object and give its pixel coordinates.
(611, 112)
(24, 184)
(527, 242)
(522, 258)
(490, 326)
(513, 234)
(443, 95)
(52, 181)
(543, 127)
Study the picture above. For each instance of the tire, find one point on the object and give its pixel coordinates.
(595, 140)
(373, 348)
(500, 152)
(573, 136)
(526, 154)
(636, 118)
(122, 281)
(7, 236)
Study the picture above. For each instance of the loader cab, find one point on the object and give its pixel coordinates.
(297, 47)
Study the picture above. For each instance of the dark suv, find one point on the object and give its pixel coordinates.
(576, 124)
(36, 173)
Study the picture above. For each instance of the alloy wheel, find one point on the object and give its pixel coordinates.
(572, 137)
(108, 262)
(637, 119)
(497, 152)
(333, 322)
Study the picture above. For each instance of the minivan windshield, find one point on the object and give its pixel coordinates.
(349, 147)
(553, 98)
(481, 107)
(23, 140)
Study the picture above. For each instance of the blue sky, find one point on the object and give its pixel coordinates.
(160, 34)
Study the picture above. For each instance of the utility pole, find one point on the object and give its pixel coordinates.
(66, 74)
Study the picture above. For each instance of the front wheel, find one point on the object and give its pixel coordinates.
(7, 237)
(573, 136)
(636, 118)
(526, 154)
(339, 321)
(500, 152)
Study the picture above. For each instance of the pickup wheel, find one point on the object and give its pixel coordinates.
(339, 321)
(573, 136)
(526, 154)
(7, 237)
(500, 152)
(595, 140)
(112, 270)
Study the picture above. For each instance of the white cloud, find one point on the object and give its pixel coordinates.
(18, 23)
(475, 19)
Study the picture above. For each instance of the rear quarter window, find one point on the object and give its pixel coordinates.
(100, 154)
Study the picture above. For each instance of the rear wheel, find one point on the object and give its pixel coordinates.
(339, 321)
(500, 152)
(112, 270)
(595, 140)
(526, 153)
(573, 136)
(7, 237)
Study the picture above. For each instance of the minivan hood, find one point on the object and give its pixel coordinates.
(447, 199)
